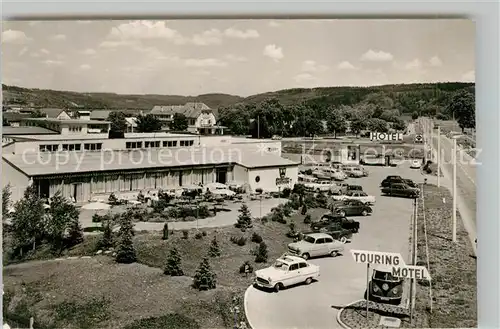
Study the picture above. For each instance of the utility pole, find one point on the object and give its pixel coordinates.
(258, 127)
(454, 215)
(439, 157)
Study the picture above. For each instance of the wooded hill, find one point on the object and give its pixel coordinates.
(407, 98)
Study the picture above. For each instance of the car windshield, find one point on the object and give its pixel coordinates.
(386, 276)
(280, 266)
(308, 239)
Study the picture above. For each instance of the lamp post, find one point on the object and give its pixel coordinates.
(454, 214)
(439, 157)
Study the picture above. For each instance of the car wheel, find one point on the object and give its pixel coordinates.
(334, 253)
(343, 239)
(364, 212)
(278, 286)
(305, 256)
(308, 281)
(342, 213)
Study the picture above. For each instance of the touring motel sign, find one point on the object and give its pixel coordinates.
(283, 180)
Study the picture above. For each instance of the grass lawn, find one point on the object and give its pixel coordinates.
(452, 267)
(97, 292)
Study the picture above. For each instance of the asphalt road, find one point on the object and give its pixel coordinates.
(342, 280)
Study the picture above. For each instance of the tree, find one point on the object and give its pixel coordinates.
(358, 123)
(462, 107)
(28, 221)
(414, 115)
(205, 278)
(377, 125)
(38, 114)
(62, 216)
(118, 124)
(261, 255)
(336, 122)
(304, 210)
(148, 123)
(6, 194)
(75, 233)
(244, 218)
(179, 123)
(214, 249)
(125, 252)
(106, 240)
(173, 266)
(399, 124)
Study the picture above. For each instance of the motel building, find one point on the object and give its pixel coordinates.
(90, 166)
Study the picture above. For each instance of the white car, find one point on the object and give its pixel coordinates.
(286, 271)
(416, 164)
(354, 172)
(330, 173)
(323, 186)
(356, 195)
(315, 245)
(219, 189)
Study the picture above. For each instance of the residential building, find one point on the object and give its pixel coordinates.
(68, 126)
(201, 118)
(14, 118)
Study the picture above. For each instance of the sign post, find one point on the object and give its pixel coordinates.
(367, 292)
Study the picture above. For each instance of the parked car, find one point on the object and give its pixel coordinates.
(357, 188)
(286, 271)
(315, 245)
(410, 183)
(329, 173)
(330, 218)
(415, 164)
(306, 178)
(353, 172)
(356, 195)
(323, 186)
(402, 190)
(385, 288)
(219, 189)
(353, 208)
(391, 179)
(276, 137)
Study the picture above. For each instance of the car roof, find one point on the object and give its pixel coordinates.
(289, 259)
(382, 268)
(318, 235)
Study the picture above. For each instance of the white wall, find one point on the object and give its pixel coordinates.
(63, 116)
(267, 177)
(202, 120)
(18, 181)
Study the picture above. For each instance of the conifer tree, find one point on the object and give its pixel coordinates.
(125, 252)
(204, 278)
(214, 250)
(244, 218)
(173, 266)
(261, 256)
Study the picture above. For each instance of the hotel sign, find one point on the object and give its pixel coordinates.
(283, 180)
(385, 137)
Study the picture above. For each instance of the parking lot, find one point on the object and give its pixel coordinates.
(341, 280)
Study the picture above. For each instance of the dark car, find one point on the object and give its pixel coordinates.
(401, 190)
(391, 179)
(410, 183)
(385, 288)
(336, 231)
(354, 188)
(331, 218)
(353, 208)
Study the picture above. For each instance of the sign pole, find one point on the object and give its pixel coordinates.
(454, 215)
(439, 157)
(367, 291)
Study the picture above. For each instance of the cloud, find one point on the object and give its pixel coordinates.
(469, 76)
(345, 65)
(89, 52)
(58, 37)
(235, 58)
(209, 37)
(413, 65)
(205, 62)
(144, 29)
(14, 37)
(115, 44)
(44, 51)
(435, 61)
(273, 52)
(52, 62)
(85, 67)
(304, 77)
(377, 56)
(23, 51)
(274, 24)
(239, 34)
(312, 66)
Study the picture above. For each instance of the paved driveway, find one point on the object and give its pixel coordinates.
(342, 280)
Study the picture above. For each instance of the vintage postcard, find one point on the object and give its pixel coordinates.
(263, 174)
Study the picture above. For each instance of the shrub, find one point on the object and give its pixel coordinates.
(185, 234)
(286, 192)
(310, 201)
(321, 200)
(287, 209)
(112, 199)
(165, 232)
(198, 236)
(96, 218)
(214, 250)
(256, 238)
(304, 210)
(106, 240)
(244, 218)
(241, 241)
(247, 265)
(173, 265)
(261, 254)
(125, 252)
(281, 220)
(293, 230)
(307, 219)
(277, 214)
(258, 190)
(309, 172)
(294, 201)
(204, 233)
(204, 278)
(203, 212)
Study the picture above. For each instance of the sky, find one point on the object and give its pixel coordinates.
(239, 57)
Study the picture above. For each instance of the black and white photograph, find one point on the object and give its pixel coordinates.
(239, 173)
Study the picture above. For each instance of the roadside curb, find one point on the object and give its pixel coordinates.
(245, 301)
(342, 324)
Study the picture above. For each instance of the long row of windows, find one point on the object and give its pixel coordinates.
(156, 144)
(70, 147)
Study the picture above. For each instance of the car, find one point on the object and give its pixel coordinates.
(329, 173)
(391, 179)
(315, 245)
(384, 287)
(323, 186)
(415, 164)
(351, 187)
(276, 137)
(353, 172)
(288, 270)
(401, 190)
(356, 195)
(410, 183)
(328, 219)
(353, 208)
